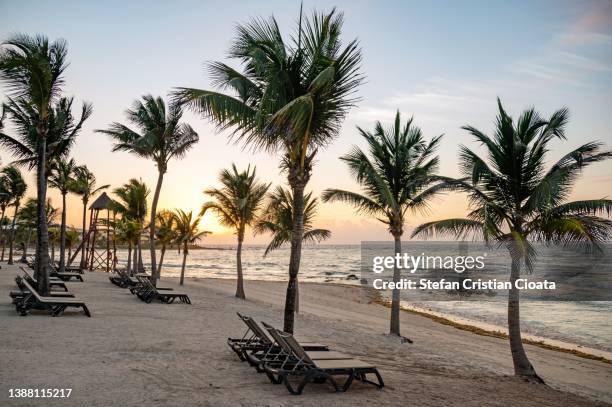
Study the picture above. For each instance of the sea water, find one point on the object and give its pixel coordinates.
(587, 323)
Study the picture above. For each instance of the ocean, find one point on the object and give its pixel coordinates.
(585, 323)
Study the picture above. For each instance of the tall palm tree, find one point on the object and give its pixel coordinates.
(396, 176)
(63, 179)
(33, 70)
(236, 205)
(85, 186)
(291, 98)
(164, 234)
(160, 137)
(16, 187)
(515, 200)
(186, 227)
(132, 205)
(277, 219)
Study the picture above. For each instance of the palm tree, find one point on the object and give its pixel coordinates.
(85, 186)
(516, 201)
(161, 138)
(291, 98)
(62, 178)
(71, 240)
(277, 219)
(396, 175)
(16, 187)
(33, 70)
(236, 205)
(132, 206)
(187, 233)
(54, 237)
(5, 201)
(164, 234)
(128, 231)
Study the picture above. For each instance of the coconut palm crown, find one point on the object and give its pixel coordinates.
(277, 219)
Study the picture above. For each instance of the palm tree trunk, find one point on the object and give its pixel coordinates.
(52, 252)
(26, 246)
(3, 233)
(182, 279)
(62, 260)
(295, 256)
(522, 365)
(394, 328)
(42, 232)
(129, 259)
(154, 272)
(138, 264)
(12, 236)
(83, 245)
(161, 260)
(239, 281)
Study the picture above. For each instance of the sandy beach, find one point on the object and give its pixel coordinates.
(132, 353)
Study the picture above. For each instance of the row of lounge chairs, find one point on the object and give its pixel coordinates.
(286, 360)
(141, 286)
(28, 298)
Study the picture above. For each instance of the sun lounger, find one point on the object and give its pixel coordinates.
(143, 285)
(281, 355)
(53, 283)
(67, 276)
(55, 305)
(149, 292)
(303, 367)
(70, 269)
(122, 279)
(23, 291)
(255, 342)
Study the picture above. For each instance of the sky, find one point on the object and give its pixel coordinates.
(442, 62)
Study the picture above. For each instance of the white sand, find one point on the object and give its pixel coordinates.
(132, 353)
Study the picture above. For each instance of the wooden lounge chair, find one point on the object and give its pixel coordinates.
(143, 284)
(255, 342)
(55, 305)
(280, 354)
(123, 279)
(150, 293)
(70, 269)
(66, 276)
(53, 283)
(18, 295)
(302, 366)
